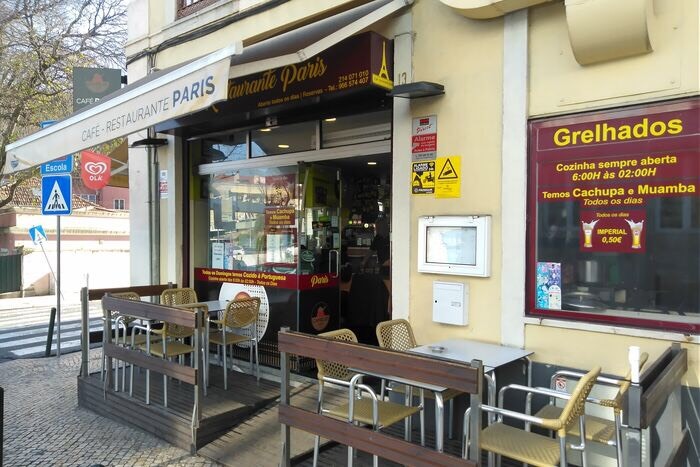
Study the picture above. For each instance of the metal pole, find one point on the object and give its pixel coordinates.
(285, 460)
(49, 336)
(84, 332)
(58, 283)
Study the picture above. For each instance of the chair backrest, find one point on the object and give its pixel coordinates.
(178, 296)
(396, 334)
(332, 369)
(129, 296)
(616, 403)
(576, 404)
(241, 312)
(173, 297)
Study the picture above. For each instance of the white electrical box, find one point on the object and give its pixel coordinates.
(451, 303)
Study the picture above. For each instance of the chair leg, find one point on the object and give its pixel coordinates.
(618, 437)
(422, 417)
(408, 420)
(257, 361)
(562, 451)
(317, 445)
(225, 368)
(465, 435)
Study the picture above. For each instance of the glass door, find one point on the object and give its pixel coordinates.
(319, 248)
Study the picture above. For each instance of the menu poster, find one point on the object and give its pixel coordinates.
(612, 164)
(217, 255)
(548, 293)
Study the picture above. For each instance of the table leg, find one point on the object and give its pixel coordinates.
(439, 427)
(491, 395)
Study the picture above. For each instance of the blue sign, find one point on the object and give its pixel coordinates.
(37, 233)
(60, 166)
(56, 195)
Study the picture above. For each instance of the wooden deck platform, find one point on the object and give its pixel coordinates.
(220, 410)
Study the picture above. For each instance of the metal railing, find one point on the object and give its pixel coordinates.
(449, 374)
(87, 295)
(658, 390)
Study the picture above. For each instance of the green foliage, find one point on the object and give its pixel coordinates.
(40, 43)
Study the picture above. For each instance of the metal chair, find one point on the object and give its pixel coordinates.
(598, 429)
(397, 334)
(178, 296)
(170, 335)
(363, 405)
(532, 448)
(121, 321)
(240, 314)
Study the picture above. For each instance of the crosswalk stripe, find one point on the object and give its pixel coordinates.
(5, 336)
(40, 339)
(66, 347)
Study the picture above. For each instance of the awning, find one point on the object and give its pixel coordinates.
(188, 88)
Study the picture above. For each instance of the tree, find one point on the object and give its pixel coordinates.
(40, 43)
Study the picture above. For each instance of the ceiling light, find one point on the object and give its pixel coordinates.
(283, 146)
(371, 163)
(332, 119)
(265, 129)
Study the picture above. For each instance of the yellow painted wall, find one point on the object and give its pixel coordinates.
(558, 84)
(466, 57)
(282, 17)
(586, 349)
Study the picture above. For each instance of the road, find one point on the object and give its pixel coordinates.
(24, 324)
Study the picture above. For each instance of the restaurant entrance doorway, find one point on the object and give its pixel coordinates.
(311, 240)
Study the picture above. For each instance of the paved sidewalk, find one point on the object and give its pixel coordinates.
(45, 427)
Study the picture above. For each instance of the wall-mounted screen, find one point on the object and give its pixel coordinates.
(454, 245)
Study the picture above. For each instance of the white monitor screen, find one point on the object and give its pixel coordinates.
(451, 245)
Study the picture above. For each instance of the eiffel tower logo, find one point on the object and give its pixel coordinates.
(382, 79)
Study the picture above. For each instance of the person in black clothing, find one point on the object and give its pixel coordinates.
(381, 246)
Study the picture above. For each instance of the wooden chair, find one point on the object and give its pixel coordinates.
(397, 334)
(532, 448)
(598, 429)
(240, 314)
(363, 405)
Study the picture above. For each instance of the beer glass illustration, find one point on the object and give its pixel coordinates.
(588, 233)
(636, 228)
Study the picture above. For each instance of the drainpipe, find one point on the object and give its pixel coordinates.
(153, 193)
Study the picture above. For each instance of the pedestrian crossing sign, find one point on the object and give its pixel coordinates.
(56, 195)
(37, 234)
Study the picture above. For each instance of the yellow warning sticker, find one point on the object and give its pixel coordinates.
(448, 182)
(423, 178)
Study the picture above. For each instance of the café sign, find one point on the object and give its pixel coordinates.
(190, 88)
(358, 62)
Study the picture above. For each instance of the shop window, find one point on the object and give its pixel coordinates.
(354, 129)
(296, 137)
(188, 7)
(119, 204)
(252, 219)
(614, 234)
(231, 146)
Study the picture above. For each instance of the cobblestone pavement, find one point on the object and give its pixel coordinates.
(45, 427)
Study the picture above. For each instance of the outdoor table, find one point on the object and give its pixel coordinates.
(492, 356)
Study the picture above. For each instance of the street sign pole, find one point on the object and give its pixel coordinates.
(58, 283)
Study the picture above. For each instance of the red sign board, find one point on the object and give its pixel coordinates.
(95, 169)
(357, 62)
(613, 231)
(619, 163)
